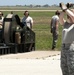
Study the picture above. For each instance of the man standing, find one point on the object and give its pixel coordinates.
(27, 20)
(54, 28)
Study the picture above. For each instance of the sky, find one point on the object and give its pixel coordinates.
(33, 2)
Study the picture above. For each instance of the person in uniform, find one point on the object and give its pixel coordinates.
(27, 20)
(67, 52)
(54, 28)
(1, 19)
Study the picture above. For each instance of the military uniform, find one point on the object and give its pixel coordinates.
(67, 52)
(54, 32)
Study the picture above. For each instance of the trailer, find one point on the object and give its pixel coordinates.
(15, 37)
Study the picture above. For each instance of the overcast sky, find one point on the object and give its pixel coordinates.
(34, 2)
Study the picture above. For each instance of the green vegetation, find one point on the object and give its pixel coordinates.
(42, 29)
(54, 7)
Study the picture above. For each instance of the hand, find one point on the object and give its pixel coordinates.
(63, 6)
(69, 5)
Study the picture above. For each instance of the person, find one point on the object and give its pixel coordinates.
(1, 24)
(67, 52)
(54, 28)
(1, 19)
(27, 20)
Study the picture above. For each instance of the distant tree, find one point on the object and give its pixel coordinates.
(38, 6)
(31, 5)
(46, 5)
(54, 5)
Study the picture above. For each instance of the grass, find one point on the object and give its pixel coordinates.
(41, 28)
(42, 36)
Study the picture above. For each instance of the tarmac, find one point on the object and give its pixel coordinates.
(31, 63)
(30, 55)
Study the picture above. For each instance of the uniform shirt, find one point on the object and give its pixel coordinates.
(68, 33)
(54, 19)
(27, 21)
(1, 19)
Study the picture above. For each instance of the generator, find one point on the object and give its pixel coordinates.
(15, 37)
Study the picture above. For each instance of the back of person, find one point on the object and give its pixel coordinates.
(54, 28)
(54, 19)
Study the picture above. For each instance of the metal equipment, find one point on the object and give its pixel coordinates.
(15, 37)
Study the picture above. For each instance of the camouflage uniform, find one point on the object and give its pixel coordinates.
(67, 53)
(55, 37)
(67, 59)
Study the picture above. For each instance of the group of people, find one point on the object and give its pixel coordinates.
(67, 52)
(27, 20)
(67, 47)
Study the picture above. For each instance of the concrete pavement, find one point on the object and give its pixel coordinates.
(30, 55)
(42, 66)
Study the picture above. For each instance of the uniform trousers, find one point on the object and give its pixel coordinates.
(55, 38)
(67, 59)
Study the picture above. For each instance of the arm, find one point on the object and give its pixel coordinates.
(61, 18)
(51, 26)
(51, 23)
(31, 23)
(57, 25)
(70, 13)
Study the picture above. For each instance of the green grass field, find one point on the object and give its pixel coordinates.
(41, 28)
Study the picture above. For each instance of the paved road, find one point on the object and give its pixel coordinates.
(46, 66)
(31, 55)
